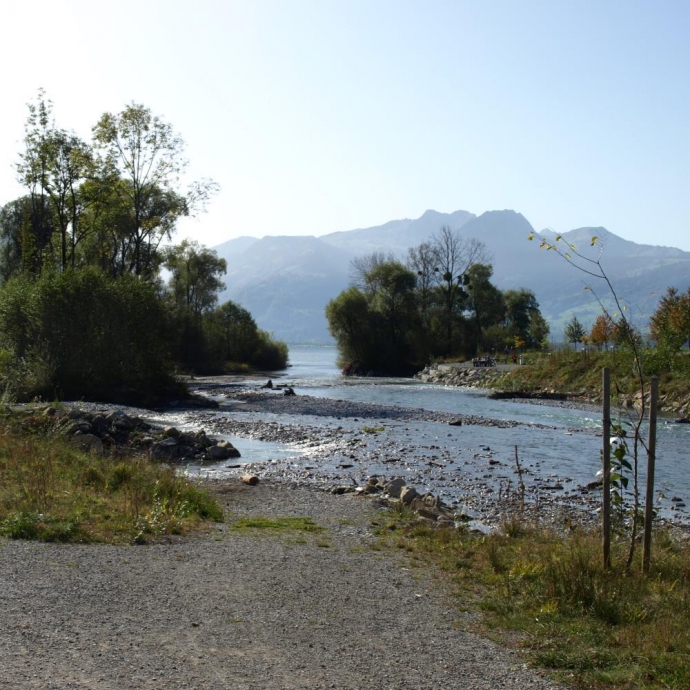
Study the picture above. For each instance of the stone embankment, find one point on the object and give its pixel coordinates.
(116, 431)
(464, 374)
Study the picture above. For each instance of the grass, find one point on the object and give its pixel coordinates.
(373, 429)
(278, 524)
(566, 371)
(591, 627)
(50, 491)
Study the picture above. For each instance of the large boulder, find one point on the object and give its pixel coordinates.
(89, 443)
(394, 487)
(222, 451)
(166, 450)
(408, 494)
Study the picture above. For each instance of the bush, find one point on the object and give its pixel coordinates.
(82, 334)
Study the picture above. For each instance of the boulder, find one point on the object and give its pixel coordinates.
(88, 443)
(165, 450)
(394, 487)
(171, 432)
(408, 494)
(222, 451)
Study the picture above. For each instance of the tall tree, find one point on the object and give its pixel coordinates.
(421, 261)
(32, 169)
(670, 323)
(145, 153)
(520, 306)
(195, 276)
(486, 301)
(454, 255)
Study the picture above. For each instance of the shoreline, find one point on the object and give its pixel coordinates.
(341, 444)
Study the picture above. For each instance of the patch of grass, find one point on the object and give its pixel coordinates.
(373, 429)
(51, 491)
(278, 524)
(591, 627)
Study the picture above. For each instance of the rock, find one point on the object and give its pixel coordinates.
(339, 490)
(424, 510)
(289, 391)
(457, 422)
(408, 494)
(394, 487)
(269, 384)
(250, 479)
(222, 451)
(88, 443)
(78, 427)
(171, 432)
(165, 450)
(372, 485)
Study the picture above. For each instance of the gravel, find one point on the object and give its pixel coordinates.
(230, 609)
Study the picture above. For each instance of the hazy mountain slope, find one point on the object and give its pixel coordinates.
(397, 235)
(285, 282)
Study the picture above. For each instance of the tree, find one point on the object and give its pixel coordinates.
(350, 323)
(13, 216)
(574, 331)
(361, 266)
(602, 331)
(670, 324)
(144, 153)
(485, 301)
(421, 261)
(52, 167)
(195, 276)
(623, 330)
(453, 257)
(538, 329)
(520, 306)
(393, 299)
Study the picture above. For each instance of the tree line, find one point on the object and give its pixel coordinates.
(439, 302)
(84, 310)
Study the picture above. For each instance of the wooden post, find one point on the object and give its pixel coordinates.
(606, 456)
(651, 466)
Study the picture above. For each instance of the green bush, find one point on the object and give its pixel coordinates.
(83, 334)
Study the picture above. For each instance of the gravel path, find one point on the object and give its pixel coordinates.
(230, 609)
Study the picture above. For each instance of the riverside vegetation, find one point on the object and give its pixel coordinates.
(84, 311)
(549, 593)
(51, 490)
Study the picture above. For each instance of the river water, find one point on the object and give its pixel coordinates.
(558, 447)
(561, 451)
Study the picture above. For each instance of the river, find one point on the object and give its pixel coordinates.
(558, 447)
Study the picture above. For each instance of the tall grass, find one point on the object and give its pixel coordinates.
(592, 627)
(51, 491)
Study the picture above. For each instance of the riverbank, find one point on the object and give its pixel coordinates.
(243, 607)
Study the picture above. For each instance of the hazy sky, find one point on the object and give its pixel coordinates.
(325, 115)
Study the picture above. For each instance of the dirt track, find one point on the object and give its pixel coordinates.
(238, 610)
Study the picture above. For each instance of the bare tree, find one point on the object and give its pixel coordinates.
(453, 257)
(362, 266)
(421, 260)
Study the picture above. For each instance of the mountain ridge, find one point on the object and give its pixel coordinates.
(286, 281)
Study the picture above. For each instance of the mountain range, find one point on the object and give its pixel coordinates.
(286, 282)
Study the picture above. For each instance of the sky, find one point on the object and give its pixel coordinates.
(316, 116)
